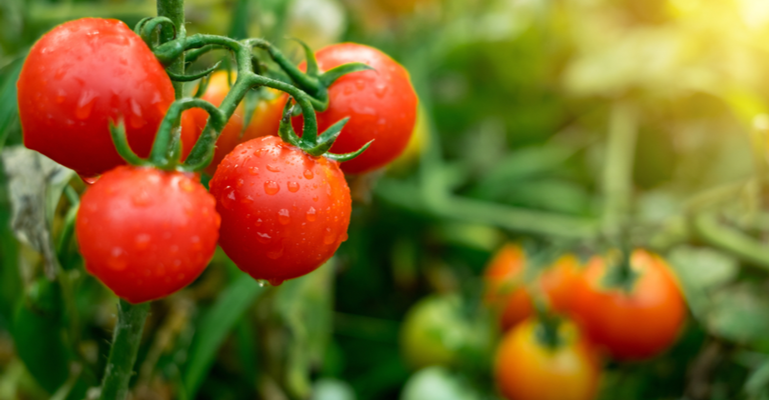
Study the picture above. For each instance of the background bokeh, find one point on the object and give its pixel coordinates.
(518, 100)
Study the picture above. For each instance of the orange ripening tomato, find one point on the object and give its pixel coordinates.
(506, 286)
(526, 368)
(635, 324)
(265, 121)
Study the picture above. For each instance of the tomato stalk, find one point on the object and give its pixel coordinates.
(125, 344)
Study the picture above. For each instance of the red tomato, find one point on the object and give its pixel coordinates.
(76, 78)
(264, 121)
(381, 104)
(146, 233)
(526, 369)
(630, 325)
(506, 285)
(284, 213)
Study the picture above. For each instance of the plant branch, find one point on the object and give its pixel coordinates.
(125, 344)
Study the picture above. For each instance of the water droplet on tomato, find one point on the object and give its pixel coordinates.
(117, 260)
(315, 198)
(196, 241)
(310, 215)
(275, 281)
(380, 89)
(258, 222)
(254, 170)
(293, 186)
(262, 282)
(329, 237)
(263, 238)
(141, 198)
(247, 200)
(271, 187)
(239, 183)
(275, 253)
(89, 180)
(308, 174)
(141, 241)
(283, 216)
(360, 84)
(344, 236)
(85, 104)
(273, 168)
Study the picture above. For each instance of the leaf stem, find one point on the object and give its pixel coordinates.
(618, 169)
(125, 344)
(174, 10)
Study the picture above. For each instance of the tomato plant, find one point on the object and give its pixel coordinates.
(264, 119)
(530, 365)
(634, 322)
(146, 233)
(508, 291)
(284, 212)
(80, 76)
(381, 104)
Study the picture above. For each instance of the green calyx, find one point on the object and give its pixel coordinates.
(316, 145)
(619, 274)
(547, 328)
(307, 89)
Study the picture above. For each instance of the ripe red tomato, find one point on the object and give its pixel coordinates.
(630, 325)
(284, 213)
(506, 285)
(146, 233)
(76, 78)
(526, 369)
(265, 120)
(381, 104)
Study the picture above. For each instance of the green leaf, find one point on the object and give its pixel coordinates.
(214, 327)
(330, 76)
(437, 383)
(9, 111)
(700, 270)
(757, 385)
(739, 313)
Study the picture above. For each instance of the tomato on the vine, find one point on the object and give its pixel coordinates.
(630, 324)
(146, 233)
(284, 213)
(264, 121)
(506, 286)
(528, 368)
(80, 76)
(381, 104)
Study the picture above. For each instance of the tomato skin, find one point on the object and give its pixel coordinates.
(78, 77)
(284, 213)
(381, 104)
(265, 121)
(506, 287)
(635, 325)
(525, 369)
(146, 233)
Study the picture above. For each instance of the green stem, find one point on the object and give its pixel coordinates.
(711, 231)
(125, 344)
(174, 10)
(618, 169)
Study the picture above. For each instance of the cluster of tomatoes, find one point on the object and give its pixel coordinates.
(629, 312)
(275, 210)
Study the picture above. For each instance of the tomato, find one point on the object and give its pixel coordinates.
(77, 78)
(381, 104)
(146, 233)
(264, 121)
(284, 213)
(506, 286)
(433, 332)
(636, 324)
(525, 368)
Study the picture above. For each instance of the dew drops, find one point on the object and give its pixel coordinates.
(196, 242)
(263, 238)
(141, 198)
(239, 183)
(360, 84)
(308, 174)
(254, 170)
(247, 200)
(273, 168)
(344, 236)
(283, 216)
(275, 281)
(329, 237)
(275, 253)
(89, 180)
(117, 260)
(380, 89)
(258, 222)
(85, 104)
(262, 282)
(293, 186)
(141, 241)
(271, 187)
(315, 198)
(310, 215)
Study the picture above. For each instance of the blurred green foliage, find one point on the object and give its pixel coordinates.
(518, 100)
